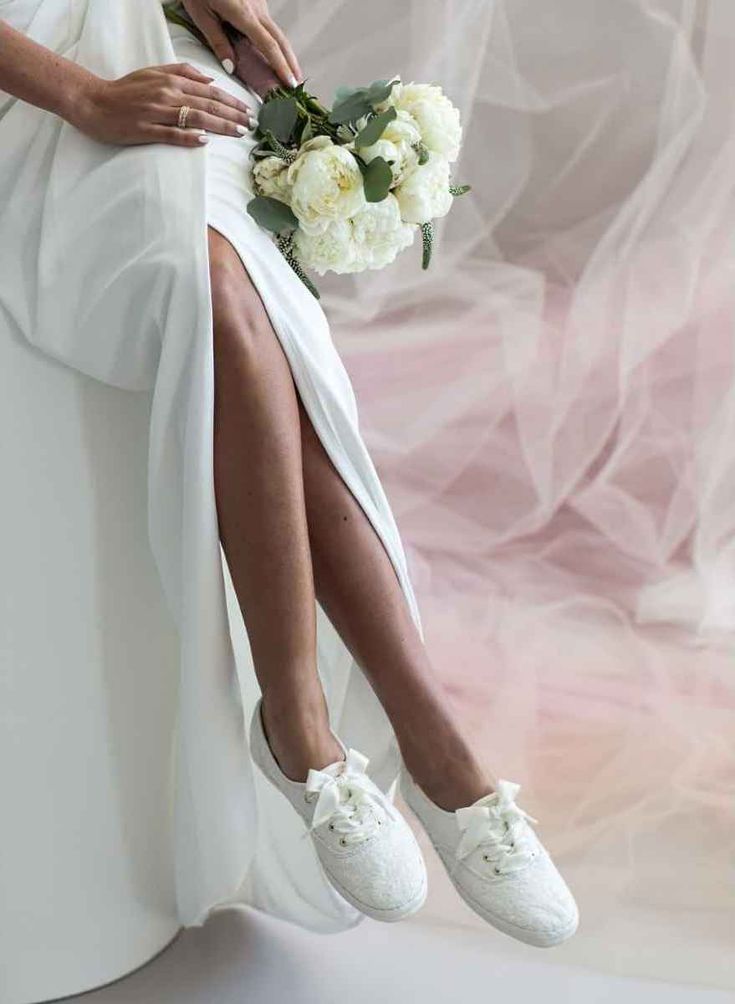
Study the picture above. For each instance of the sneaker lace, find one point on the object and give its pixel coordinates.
(496, 824)
(352, 804)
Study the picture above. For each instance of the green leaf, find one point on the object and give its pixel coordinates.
(342, 93)
(308, 131)
(377, 178)
(272, 214)
(427, 235)
(423, 153)
(457, 190)
(351, 108)
(380, 91)
(279, 149)
(375, 128)
(279, 117)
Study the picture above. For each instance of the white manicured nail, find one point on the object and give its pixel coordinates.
(293, 81)
(241, 129)
(228, 66)
(203, 138)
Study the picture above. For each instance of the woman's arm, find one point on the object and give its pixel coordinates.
(142, 107)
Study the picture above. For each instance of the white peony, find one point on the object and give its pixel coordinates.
(380, 234)
(435, 115)
(329, 250)
(326, 184)
(271, 178)
(396, 146)
(425, 194)
(371, 239)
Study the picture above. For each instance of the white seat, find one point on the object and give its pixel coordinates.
(88, 676)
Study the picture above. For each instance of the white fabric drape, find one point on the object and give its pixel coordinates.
(103, 266)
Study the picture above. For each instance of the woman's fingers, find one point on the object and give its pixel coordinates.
(209, 93)
(186, 70)
(211, 27)
(286, 47)
(154, 133)
(267, 44)
(206, 115)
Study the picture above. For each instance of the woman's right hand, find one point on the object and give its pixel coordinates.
(144, 106)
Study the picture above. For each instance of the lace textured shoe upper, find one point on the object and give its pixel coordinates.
(366, 848)
(497, 863)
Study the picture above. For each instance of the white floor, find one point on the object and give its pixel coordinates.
(243, 956)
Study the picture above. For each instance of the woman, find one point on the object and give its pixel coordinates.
(126, 142)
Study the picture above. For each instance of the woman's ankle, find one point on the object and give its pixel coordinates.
(299, 733)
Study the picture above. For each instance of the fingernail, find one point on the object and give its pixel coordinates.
(241, 129)
(203, 138)
(293, 81)
(228, 66)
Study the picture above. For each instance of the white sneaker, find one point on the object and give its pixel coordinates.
(367, 849)
(497, 863)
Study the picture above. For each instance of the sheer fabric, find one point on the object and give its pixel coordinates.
(552, 410)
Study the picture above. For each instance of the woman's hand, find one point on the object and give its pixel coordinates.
(252, 19)
(144, 106)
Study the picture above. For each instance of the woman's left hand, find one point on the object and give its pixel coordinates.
(251, 18)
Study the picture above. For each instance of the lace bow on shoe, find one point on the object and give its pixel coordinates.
(348, 800)
(498, 825)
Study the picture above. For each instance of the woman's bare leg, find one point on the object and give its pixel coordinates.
(287, 519)
(260, 507)
(359, 590)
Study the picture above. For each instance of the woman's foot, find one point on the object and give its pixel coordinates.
(497, 864)
(366, 848)
(299, 734)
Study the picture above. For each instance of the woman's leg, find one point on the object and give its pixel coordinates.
(359, 590)
(260, 507)
(286, 518)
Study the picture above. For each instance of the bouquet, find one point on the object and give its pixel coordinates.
(346, 188)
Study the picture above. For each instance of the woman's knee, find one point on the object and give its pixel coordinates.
(239, 319)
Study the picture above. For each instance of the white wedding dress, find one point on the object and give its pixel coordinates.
(103, 266)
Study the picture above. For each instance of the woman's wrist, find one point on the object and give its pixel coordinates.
(76, 98)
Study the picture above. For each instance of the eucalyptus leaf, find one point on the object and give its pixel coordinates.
(375, 128)
(380, 91)
(279, 117)
(272, 214)
(377, 178)
(352, 108)
(342, 93)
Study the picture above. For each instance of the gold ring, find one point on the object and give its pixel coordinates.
(183, 116)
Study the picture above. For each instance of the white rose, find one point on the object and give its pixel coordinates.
(326, 184)
(435, 115)
(379, 233)
(271, 178)
(329, 250)
(425, 194)
(396, 145)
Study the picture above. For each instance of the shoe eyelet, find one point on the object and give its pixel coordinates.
(343, 841)
(485, 857)
(331, 826)
(497, 871)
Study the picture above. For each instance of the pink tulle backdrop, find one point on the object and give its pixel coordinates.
(552, 410)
